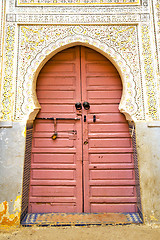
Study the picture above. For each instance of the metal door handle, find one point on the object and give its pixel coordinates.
(78, 106)
(86, 105)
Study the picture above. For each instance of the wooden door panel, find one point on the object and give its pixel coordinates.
(100, 81)
(111, 174)
(56, 171)
(56, 82)
(53, 174)
(109, 179)
(54, 159)
(111, 158)
(116, 191)
(113, 208)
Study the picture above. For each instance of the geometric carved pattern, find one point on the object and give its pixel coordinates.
(149, 73)
(90, 25)
(55, 2)
(7, 91)
(118, 43)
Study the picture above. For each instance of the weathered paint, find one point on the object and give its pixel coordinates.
(12, 149)
(10, 219)
(148, 150)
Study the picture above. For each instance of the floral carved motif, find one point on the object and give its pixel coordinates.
(7, 91)
(119, 43)
(149, 74)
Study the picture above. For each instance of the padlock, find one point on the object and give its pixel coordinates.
(86, 142)
(54, 136)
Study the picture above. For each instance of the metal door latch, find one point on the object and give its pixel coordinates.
(94, 118)
(55, 134)
(72, 135)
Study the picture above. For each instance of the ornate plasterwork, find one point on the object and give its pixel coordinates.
(118, 43)
(77, 19)
(150, 78)
(7, 90)
(68, 8)
(54, 2)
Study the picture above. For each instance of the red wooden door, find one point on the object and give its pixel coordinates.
(109, 178)
(89, 167)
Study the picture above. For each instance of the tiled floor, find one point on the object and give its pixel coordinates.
(72, 219)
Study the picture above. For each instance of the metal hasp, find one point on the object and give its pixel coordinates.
(86, 105)
(94, 118)
(52, 118)
(55, 134)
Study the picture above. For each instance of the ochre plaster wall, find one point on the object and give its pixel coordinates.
(127, 33)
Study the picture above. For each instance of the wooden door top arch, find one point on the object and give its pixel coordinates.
(31, 105)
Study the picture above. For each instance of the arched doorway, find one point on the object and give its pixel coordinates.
(82, 160)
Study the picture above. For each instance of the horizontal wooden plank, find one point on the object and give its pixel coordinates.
(50, 94)
(109, 81)
(55, 81)
(113, 199)
(111, 158)
(54, 191)
(104, 95)
(114, 117)
(108, 127)
(60, 108)
(57, 115)
(65, 55)
(53, 150)
(110, 143)
(51, 182)
(48, 208)
(57, 67)
(108, 135)
(111, 166)
(106, 101)
(91, 55)
(52, 166)
(104, 67)
(113, 182)
(113, 208)
(106, 191)
(52, 200)
(111, 174)
(48, 125)
(52, 174)
(53, 158)
(59, 101)
(110, 150)
(49, 143)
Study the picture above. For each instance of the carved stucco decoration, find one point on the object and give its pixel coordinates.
(38, 43)
(7, 83)
(54, 2)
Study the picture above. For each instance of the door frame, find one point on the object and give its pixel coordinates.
(34, 112)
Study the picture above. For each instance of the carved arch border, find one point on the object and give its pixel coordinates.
(30, 105)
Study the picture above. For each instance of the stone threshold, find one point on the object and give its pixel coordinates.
(79, 219)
